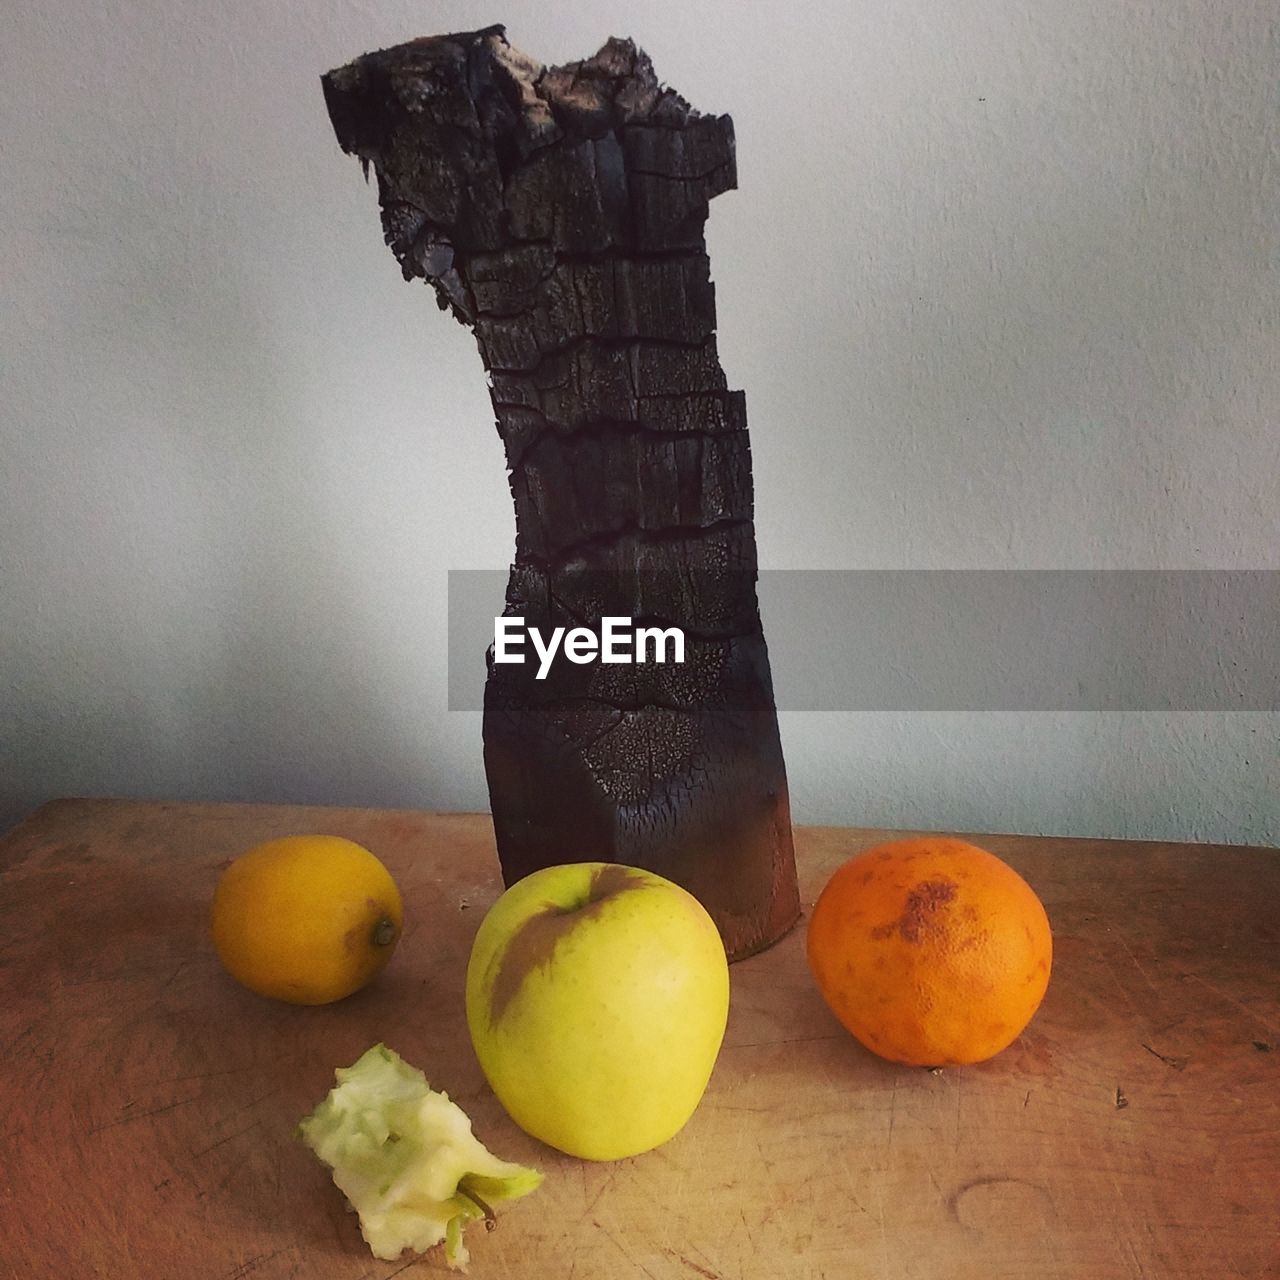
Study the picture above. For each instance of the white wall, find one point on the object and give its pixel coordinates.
(1001, 282)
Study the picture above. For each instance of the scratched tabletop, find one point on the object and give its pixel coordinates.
(149, 1103)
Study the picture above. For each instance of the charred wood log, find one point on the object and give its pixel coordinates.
(559, 212)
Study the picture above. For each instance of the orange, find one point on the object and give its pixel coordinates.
(307, 919)
(931, 951)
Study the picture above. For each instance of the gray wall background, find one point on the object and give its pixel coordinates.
(1001, 281)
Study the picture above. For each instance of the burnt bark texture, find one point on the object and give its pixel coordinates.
(559, 212)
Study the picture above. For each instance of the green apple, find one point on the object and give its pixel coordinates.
(597, 996)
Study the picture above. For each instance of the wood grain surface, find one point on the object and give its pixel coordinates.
(149, 1102)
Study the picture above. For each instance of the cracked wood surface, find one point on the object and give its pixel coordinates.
(559, 213)
(150, 1102)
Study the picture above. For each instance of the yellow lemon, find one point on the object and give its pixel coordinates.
(307, 919)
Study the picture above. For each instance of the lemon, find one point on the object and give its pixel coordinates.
(308, 919)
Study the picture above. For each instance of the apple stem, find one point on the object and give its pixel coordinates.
(489, 1220)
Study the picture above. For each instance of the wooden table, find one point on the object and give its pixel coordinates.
(149, 1103)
